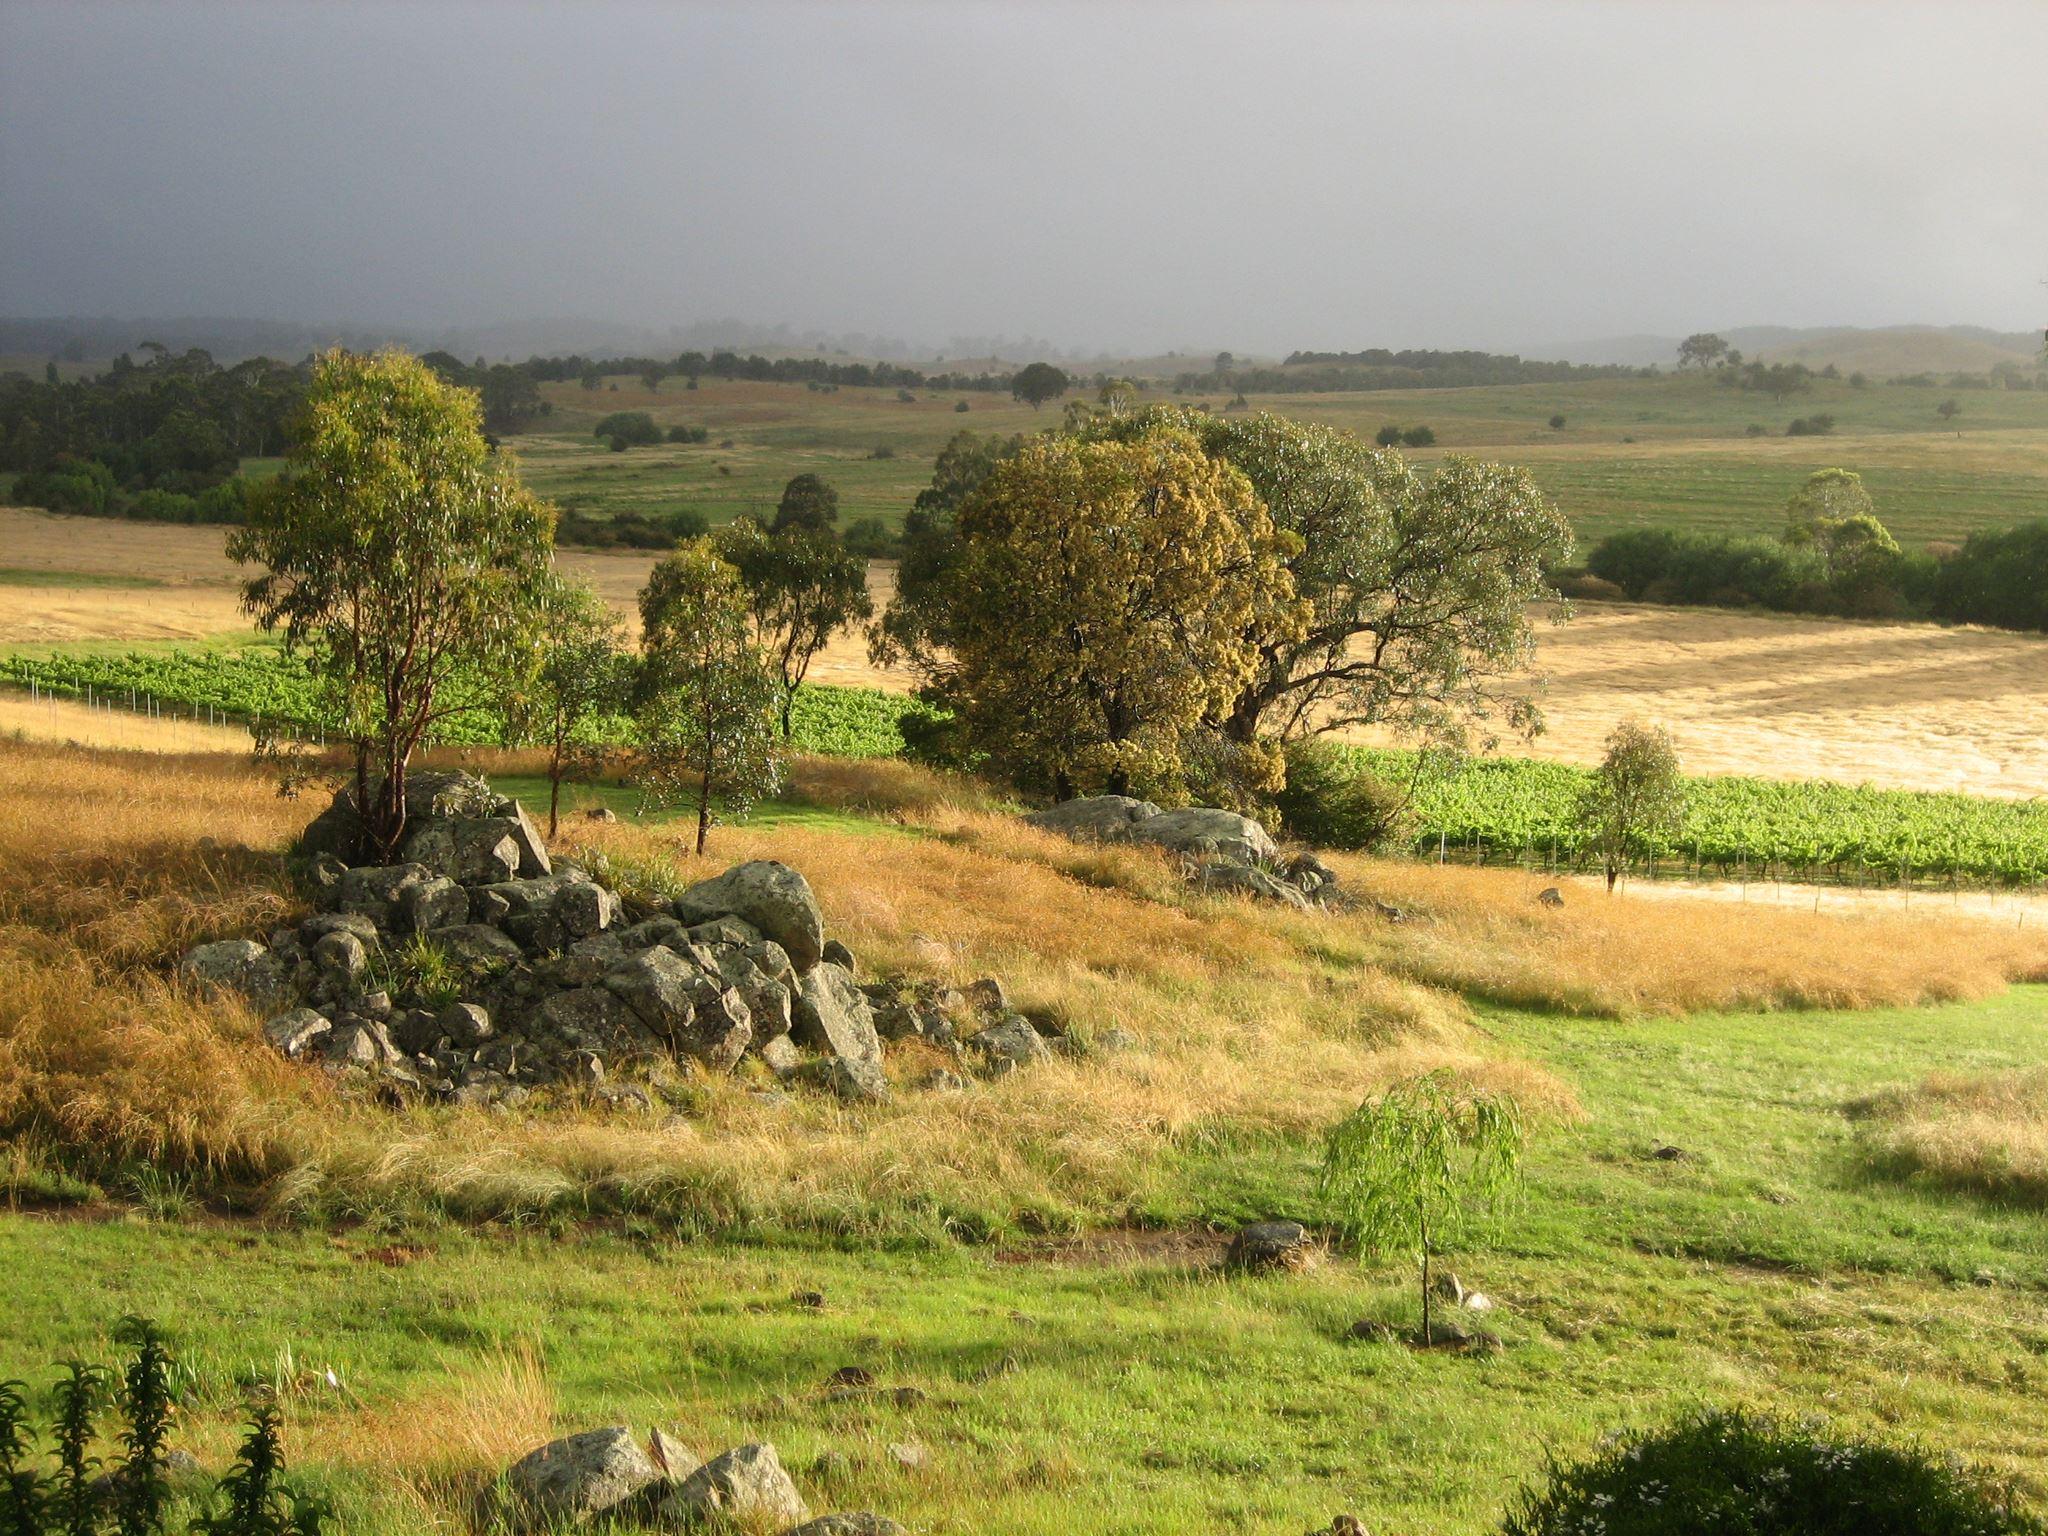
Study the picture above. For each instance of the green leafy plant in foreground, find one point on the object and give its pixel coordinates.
(1411, 1170)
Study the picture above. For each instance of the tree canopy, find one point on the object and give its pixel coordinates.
(1036, 383)
(400, 553)
(1104, 600)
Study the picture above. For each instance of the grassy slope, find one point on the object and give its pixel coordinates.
(1632, 452)
(1149, 1397)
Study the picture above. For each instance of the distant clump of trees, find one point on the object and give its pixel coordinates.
(1836, 557)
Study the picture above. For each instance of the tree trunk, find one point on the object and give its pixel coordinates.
(1613, 873)
(554, 793)
(703, 811)
(1423, 1223)
(788, 712)
(1119, 783)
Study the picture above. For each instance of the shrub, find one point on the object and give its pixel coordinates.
(72, 485)
(1334, 801)
(870, 538)
(882, 451)
(1387, 437)
(1715, 1473)
(617, 445)
(1418, 437)
(689, 434)
(1811, 426)
(1998, 577)
(628, 429)
(1557, 422)
(960, 408)
(1756, 429)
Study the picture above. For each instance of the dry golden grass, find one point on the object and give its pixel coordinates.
(1987, 1132)
(1483, 932)
(1250, 1019)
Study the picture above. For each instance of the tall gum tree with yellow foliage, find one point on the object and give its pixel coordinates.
(1108, 600)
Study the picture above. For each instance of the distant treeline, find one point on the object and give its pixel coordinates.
(1380, 368)
(691, 366)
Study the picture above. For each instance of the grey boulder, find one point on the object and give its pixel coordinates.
(1202, 829)
(297, 1032)
(858, 1523)
(582, 1475)
(1008, 1044)
(771, 896)
(745, 1486)
(240, 965)
(831, 1014)
(1102, 817)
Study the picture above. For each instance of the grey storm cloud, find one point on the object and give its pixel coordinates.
(1134, 175)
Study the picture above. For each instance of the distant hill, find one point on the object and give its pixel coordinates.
(1882, 351)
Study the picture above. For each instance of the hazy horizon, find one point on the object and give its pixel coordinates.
(1125, 181)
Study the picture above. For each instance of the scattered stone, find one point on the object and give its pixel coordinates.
(830, 1014)
(859, 1523)
(600, 813)
(986, 995)
(342, 953)
(1341, 1525)
(852, 1376)
(1270, 1245)
(810, 1301)
(910, 1455)
(582, 1475)
(1008, 1044)
(297, 1032)
(1551, 896)
(1373, 1330)
(745, 1486)
(839, 955)
(1666, 1154)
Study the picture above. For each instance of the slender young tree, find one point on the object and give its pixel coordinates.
(705, 701)
(584, 676)
(1635, 797)
(400, 555)
(803, 586)
(1413, 1169)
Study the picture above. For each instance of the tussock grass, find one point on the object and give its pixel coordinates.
(1483, 932)
(1985, 1133)
(1256, 1026)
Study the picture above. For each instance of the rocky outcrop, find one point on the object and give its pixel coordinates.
(579, 1476)
(1219, 851)
(481, 967)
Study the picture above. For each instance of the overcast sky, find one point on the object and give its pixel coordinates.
(1118, 175)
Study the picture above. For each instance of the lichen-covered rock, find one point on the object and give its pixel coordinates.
(297, 1033)
(341, 953)
(745, 1487)
(1204, 829)
(772, 897)
(831, 1014)
(478, 947)
(1271, 1245)
(1104, 818)
(1008, 1044)
(589, 1020)
(243, 966)
(434, 903)
(580, 1476)
(1225, 877)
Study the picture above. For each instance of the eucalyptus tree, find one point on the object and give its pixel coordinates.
(400, 556)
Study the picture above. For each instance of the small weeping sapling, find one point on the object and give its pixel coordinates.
(1416, 1168)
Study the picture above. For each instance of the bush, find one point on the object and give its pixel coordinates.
(882, 451)
(960, 408)
(1998, 577)
(1418, 437)
(1557, 422)
(1667, 566)
(689, 434)
(71, 485)
(1811, 426)
(1718, 1473)
(870, 538)
(1387, 437)
(628, 429)
(1333, 801)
